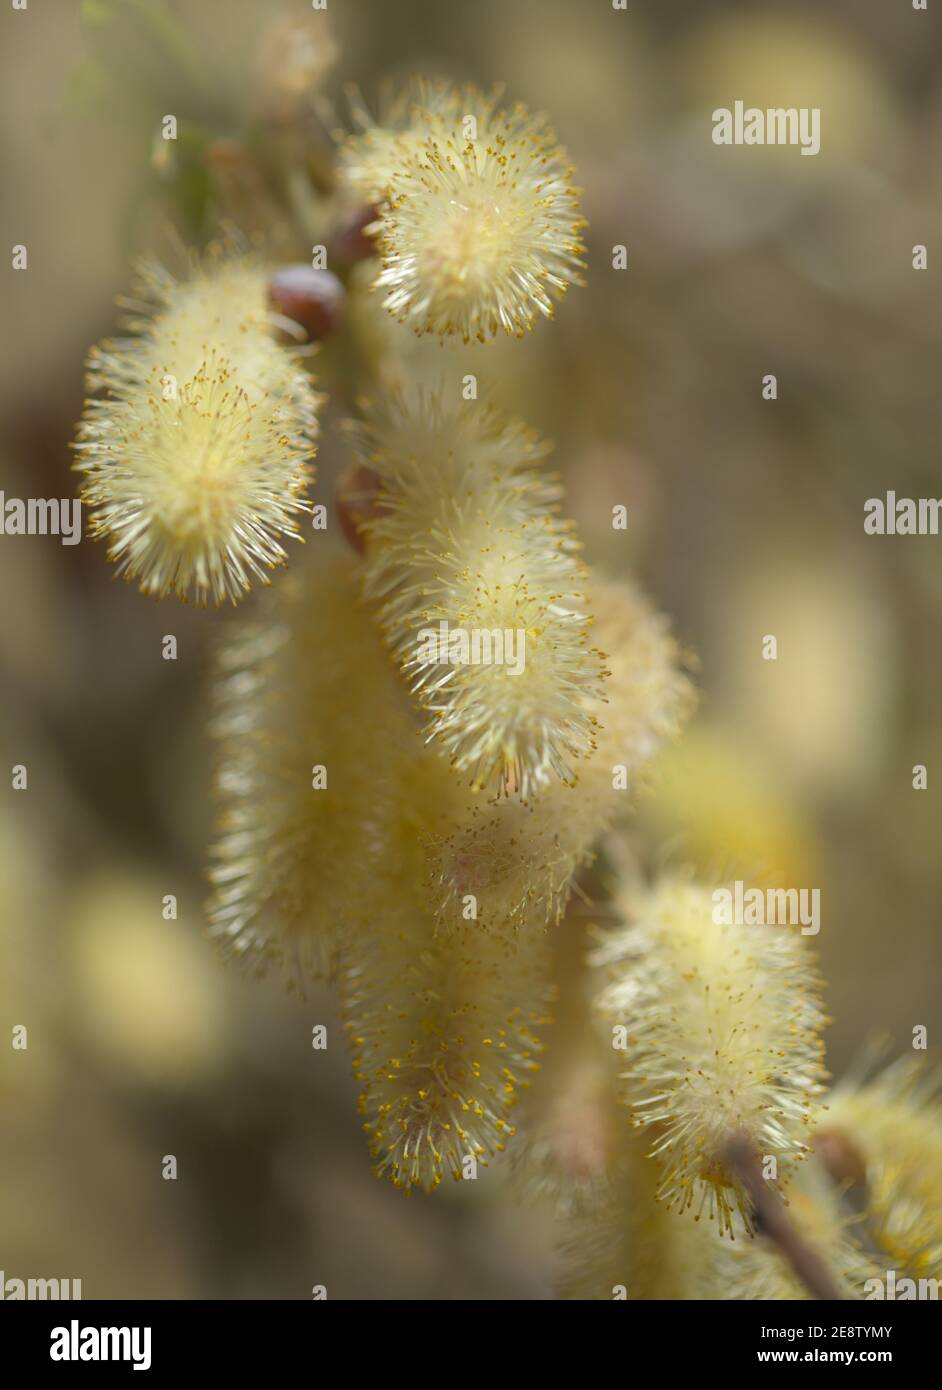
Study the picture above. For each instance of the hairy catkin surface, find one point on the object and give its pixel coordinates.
(446, 1033)
(305, 684)
(196, 444)
(518, 859)
(720, 1030)
(478, 220)
(467, 544)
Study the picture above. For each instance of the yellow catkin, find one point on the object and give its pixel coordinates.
(518, 860)
(466, 545)
(628, 1244)
(446, 1034)
(305, 684)
(445, 1031)
(618, 1237)
(720, 1029)
(479, 225)
(196, 445)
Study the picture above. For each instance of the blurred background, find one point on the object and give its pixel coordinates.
(746, 519)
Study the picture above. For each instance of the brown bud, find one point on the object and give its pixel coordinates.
(841, 1157)
(349, 242)
(355, 500)
(313, 298)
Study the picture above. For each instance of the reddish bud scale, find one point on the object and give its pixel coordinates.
(313, 298)
(355, 502)
(350, 241)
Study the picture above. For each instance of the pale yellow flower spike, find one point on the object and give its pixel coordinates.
(198, 452)
(895, 1124)
(518, 861)
(479, 222)
(325, 788)
(467, 541)
(723, 1036)
(446, 1033)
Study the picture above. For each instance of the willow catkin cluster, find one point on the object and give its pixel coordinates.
(323, 783)
(328, 796)
(517, 860)
(720, 1028)
(467, 545)
(196, 448)
(445, 1027)
(478, 221)
(894, 1124)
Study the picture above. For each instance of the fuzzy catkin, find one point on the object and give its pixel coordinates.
(304, 684)
(467, 541)
(446, 1033)
(479, 226)
(721, 1036)
(518, 860)
(196, 447)
(628, 1244)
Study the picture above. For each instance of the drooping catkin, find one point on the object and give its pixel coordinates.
(479, 590)
(196, 450)
(446, 1033)
(323, 783)
(479, 226)
(518, 860)
(720, 1026)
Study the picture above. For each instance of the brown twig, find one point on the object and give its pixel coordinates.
(776, 1224)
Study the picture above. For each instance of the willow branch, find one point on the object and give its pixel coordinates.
(775, 1222)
